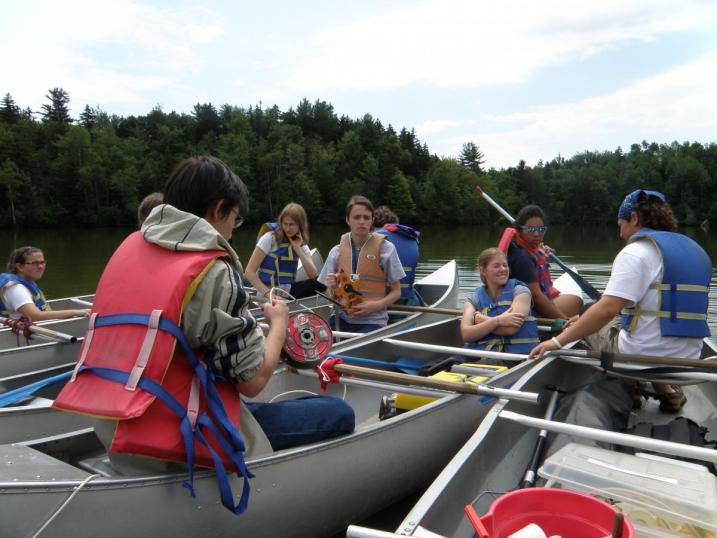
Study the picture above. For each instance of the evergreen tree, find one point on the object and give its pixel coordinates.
(9, 111)
(58, 108)
(471, 157)
(88, 118)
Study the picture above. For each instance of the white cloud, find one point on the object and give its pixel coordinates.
(675, 105)
(454, 43)
(109, 51)
(429, 127)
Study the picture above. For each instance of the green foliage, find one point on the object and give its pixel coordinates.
(95, 172)
(57, 110)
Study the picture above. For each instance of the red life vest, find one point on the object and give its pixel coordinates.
(542, 267)
(165, 282)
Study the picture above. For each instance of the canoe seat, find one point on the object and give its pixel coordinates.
(25, 464)
(99, 464)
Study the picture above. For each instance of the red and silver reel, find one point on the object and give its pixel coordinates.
(308, 340)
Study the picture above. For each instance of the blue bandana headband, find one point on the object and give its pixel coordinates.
(630, 202)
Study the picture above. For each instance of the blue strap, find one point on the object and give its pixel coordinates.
(234, 448)
(12, 396)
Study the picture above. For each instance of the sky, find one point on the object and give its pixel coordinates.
(524, 80)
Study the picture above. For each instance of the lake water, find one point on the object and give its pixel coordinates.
(76, 258)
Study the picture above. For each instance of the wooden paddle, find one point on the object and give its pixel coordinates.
(42, 331)
(579, 280)
(463, 388)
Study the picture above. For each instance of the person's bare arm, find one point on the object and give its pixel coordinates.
(31, 311)
(252, 268)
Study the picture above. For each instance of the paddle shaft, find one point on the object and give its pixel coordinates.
(47, 333)
(531, 472)
(579, 280)
(607, 359)
(623, 439)
(463, 388)
(447, 311)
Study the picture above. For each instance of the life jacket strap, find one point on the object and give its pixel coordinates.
(233, 447)
(86, 346)
(679, 287)
(636, 312)
(143, 356)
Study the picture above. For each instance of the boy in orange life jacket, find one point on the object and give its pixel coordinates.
(373, 264)
(527, 262)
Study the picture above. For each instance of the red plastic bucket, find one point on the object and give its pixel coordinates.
(557, 511)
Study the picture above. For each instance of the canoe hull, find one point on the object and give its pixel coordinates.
(22, 366)
(496, 456)
(315, 490)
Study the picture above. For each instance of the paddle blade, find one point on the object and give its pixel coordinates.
(13, 396)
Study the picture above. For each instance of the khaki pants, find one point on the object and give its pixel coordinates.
(606, 338)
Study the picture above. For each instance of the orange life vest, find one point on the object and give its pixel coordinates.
(129, 362)
(369, 279)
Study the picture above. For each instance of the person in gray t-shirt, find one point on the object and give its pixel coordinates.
(356, 248)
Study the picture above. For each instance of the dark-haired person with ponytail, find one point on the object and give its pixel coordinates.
(659, 285)
(20, 296)
(527, 259)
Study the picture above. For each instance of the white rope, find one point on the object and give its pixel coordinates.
(64, 504)
(297, 391)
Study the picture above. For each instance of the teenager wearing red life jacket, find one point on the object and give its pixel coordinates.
(172, 345)
(527, 259)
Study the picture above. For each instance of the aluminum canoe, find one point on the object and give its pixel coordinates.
(35, 417)
(310, 491)
(78, 326)
(496, 456)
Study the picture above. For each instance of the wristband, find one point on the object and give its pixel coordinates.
(555, 341)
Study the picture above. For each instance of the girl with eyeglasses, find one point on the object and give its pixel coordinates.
(276, 257)
(20, 296)
(527, 259)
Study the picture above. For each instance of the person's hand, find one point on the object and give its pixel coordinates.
(83, 312)
(296, 242)
(571, 321)
(365, 308)
(276, 312)
(511, 319)
(541, 349)
(331, 280)
(545, 248)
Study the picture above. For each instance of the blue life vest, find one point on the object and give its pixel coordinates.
(684, 288)
(37, 296)
(525, 339)
(405, 239)
(279, 266)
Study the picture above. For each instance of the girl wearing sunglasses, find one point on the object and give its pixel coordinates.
(20, 296)
(527, 259)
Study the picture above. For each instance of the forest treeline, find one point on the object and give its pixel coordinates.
(93, 170)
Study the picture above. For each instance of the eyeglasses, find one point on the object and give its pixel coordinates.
(534, 229)
(35, 263)
(239, 220)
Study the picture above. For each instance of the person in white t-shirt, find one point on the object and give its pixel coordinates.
(20, 296)
(275, 259)
(658, 268)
